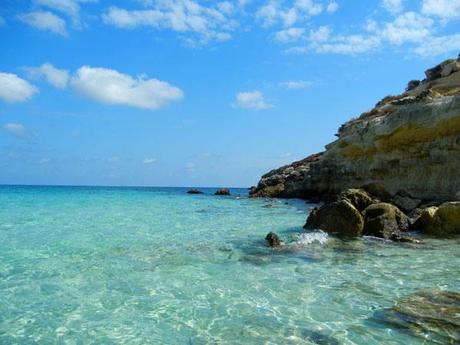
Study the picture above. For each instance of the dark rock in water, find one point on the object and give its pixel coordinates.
(384, 220)
(273, 239)
(340, 218)
(405, 201)
(222, 191)
(440, 221)
(434, 316)
(404, 239)
(359, 198)
(194, 191)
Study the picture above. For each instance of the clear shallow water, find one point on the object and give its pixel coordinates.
(158, 266)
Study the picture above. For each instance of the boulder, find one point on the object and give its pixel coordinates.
(405, 201)
(412, 84)
(273, 239)
(359, 198)
(194, 191)
(339, 217)
(377, 190)
(222, 191)
(440, 221)
(384, 220)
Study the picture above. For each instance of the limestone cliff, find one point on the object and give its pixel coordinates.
(409, 143)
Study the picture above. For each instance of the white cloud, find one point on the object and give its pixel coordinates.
(208, 23)
(321, 34)
(289, 35)
(272, 12)
(45, 21)
(348, 45)
(149, 161)
(190, 166)
(295, 84)
(70, 8)
(445, 9)
(15, 89)
(56, 77)
(18, 130)
(393, 6)
(439, 46)
(112, 87)
(407, 27)
(44, 161)
(332, 7)
(251, 100)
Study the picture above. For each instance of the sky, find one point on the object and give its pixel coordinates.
(198, 93)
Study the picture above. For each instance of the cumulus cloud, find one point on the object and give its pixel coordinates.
(14, 89)
(208, 23)
(290, 34)
(444, 9)
(332, 7)
(112, 87)
(272, 12)
(407, 27)
(149, 161)
(439, 45)
(56, 77)
(70, 8)
(45, 21)
(393, 6)
(251, 100)
(18, 130)
(295, 84)
(321, 34)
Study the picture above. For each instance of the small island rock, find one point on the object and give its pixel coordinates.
(222, 191)
(273, 239)
(194, 191)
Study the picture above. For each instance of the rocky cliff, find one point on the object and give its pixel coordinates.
(407, 144)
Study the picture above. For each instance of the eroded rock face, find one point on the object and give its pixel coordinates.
(384, 220)
(408, 142)
(340, 218)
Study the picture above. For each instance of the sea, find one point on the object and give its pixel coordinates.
(125, 265)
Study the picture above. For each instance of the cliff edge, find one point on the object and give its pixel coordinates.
(408, 144)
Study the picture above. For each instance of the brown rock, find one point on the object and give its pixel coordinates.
(384, 220)
(340, 218)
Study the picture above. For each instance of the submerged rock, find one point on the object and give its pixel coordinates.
(440, 221)
(194, 191)
(273, 239)
(384, 220)
(434, 316)
(222, 191)
(340, 218)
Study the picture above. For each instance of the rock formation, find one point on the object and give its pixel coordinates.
(222, 191)
(409, 145)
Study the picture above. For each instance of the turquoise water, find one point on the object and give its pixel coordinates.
(158, 266)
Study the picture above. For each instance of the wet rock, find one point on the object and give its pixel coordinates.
(405, 201)
(404, 239)
(222, 191)
(384, 220)
(359, 198)
(440, 221)
(194, 191)
(340, 218)
(434, 316)
(273, 239)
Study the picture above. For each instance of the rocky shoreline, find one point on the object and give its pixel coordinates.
(393, 169)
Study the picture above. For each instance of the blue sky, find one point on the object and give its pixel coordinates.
(198, 93)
